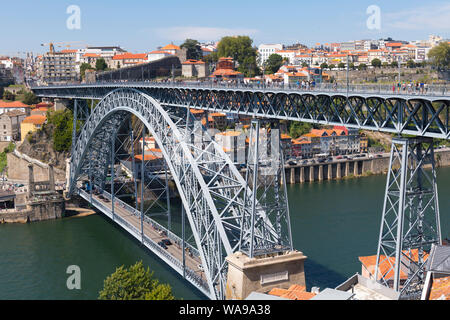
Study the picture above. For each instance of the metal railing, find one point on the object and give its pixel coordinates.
(393, 89)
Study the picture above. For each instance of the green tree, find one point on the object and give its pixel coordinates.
(362, 66)
(440, 56)
(8, 95)
(193, 49)
(323, 66)
(241, 50)
(394, 64)
(332, 66)
(83, 67)
(385, 64)
(30, 98)
(410, 64)
(134, 283)
(351, 66)
(62, 122)
(341, 65)
(273, 63)
(376, 63)
(100, 65)
(298, 129)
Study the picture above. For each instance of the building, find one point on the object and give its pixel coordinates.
(59, 67)
(128, 59)
(233, 144)
(157, 54)
(171, 48)
(225, 70)
(194, 68)
(31, 124)
(10, 125)
(7, 106)
(265, 50)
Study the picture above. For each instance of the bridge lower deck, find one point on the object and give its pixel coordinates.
(150, 234)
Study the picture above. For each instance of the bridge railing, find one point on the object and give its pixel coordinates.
(393, 89)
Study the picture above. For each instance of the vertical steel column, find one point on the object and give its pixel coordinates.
(142, 181)
(400, 217)
(133, 163)
(169, 217)
(113, 155)
(74, 124)
(183, 214)
(91, 187)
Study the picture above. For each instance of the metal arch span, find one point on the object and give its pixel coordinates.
(211, 189)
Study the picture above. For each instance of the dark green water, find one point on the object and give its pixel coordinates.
(333, 223)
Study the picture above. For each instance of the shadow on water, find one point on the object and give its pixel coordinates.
(320, 276)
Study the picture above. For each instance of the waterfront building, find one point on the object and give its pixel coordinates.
(31, 124)
(171, 48)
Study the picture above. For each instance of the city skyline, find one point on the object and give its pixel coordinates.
(142, 31)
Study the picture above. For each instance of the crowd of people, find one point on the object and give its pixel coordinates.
(410, 87)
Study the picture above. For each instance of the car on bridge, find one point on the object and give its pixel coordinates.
(167, 242)
(162, 245)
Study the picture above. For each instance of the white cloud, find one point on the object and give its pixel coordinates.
(201, 33)
(436, 17)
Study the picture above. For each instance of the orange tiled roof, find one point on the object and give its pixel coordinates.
(159, 52)
(197, 111)
(230, 133)
(285, 136)
(35, 119)
(147, 157)
(170, 47)
(13, 104)
(298, 295)
(193, 61)
(91, 55)
(128, 55)
(277, 292)
(440, 289)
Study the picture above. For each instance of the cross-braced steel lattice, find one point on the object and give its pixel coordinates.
(410, 222)
(265, 175)
(211, 188)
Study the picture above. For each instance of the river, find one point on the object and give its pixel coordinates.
(333, 222)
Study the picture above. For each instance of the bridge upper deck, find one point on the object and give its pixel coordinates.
(377, 108)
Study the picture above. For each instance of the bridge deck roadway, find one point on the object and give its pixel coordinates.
(175, 250)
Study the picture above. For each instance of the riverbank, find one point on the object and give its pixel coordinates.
(350, 168)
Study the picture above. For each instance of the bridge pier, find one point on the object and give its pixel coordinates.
(311, 173)
(355, 168)
(320, 178)
(302, 174)
(338, 170)
(410, 221)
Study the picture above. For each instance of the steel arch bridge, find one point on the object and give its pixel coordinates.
(212, 190)
(214, 195)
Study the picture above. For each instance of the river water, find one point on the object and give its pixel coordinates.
(333, 223)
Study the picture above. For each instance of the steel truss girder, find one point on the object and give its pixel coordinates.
(414, 115)
(214, 206)
(410, 218)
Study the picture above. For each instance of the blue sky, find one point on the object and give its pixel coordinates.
(141, 26)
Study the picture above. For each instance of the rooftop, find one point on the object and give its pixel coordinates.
(35, 119)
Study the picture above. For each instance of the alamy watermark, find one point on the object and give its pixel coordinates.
(74, 280)
(374, 20)
(73, 22)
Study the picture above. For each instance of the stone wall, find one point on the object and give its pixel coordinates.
(36, 211)
(18, 169)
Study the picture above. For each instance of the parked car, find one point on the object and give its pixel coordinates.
(200, 267)
(339, 157)
(162, 245)
(167, 242)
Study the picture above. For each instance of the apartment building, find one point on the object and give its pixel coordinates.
(59, 67)
(265, 50)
